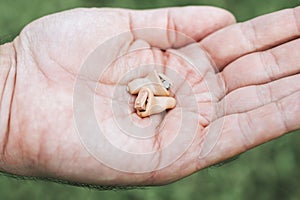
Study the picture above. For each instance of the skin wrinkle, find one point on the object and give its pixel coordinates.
(210, 59)
(264, 94)
(165, 60)
(278, 100)
(29, 157)
(174, 26)
(33, 56)
(224, 83)
(24, 39)
(281, 112)
(248, 31)
(297, 23)
(180, 61)
(222, 87)
(4, 84)
(248, 143)
(60, 167)
(9, 125)
(206, 118)
(267, 68)
(219, 111)
(157, 145)
(263, 103)
(42, 163)
(199, 81)
(287, 95)
(171, 29)
(269, 79)
(242, 27)
(66, 69)
(271, 69)
(155, 58)
(131, 25)
(6, 135)
(271, 76)
(120, 56)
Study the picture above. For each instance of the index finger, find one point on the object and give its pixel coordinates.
(257, 34)
(179, 26)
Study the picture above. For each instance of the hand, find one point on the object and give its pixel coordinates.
(43, 138)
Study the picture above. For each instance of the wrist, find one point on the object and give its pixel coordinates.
(7, 84)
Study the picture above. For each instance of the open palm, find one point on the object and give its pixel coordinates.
(73, 119)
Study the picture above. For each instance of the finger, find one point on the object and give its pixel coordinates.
(255, 35)
(263, 67)
(251, 97)
(194, 22)
(244, 131)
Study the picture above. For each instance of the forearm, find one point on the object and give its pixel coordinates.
(7, 84)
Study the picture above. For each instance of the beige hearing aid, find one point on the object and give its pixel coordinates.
(147, 104)
(158, 83)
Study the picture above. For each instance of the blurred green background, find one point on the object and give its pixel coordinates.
(270, 171)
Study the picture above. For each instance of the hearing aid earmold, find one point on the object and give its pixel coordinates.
(153, 94)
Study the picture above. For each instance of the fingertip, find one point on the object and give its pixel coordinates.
(220, 13)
